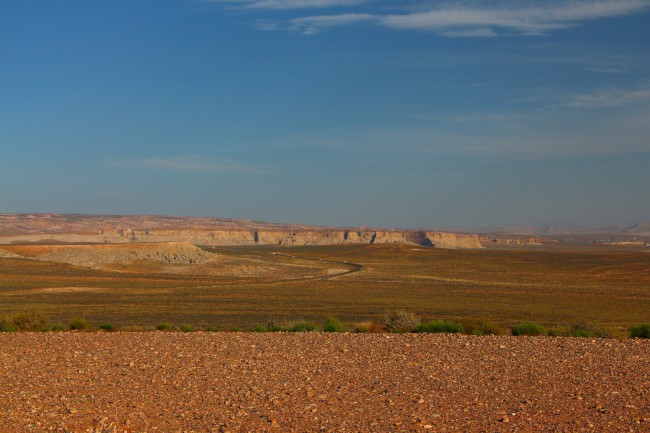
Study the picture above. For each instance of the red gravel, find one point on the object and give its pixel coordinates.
(173, 382)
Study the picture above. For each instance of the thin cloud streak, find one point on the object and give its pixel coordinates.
(449, 20)
(610, 98)
(184, 163)
(315, 25)
(525, 20)
(289, 4)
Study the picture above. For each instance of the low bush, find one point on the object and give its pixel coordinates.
(399, 320)
(34, 321)
(303, 327)
(333, 325)
(481, 327)
(6, 326)
(436, 326)
(582, 333)
(529, 328)
(553, 332)
(234, 329)
(78, 324)
(187, 328)
(260, 328)
(164, 326)
(108, 327)
(369, 326)
(275, 327)
(210, 328)
(641, 331)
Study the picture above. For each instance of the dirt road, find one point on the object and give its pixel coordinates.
(308, 382)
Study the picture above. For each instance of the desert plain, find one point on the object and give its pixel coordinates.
(135, 274)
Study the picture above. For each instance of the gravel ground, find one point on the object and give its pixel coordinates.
(174, 382)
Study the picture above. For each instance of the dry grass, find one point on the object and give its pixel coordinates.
(601, 287)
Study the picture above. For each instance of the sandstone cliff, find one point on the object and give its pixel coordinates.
(501, 240)
(113, 230)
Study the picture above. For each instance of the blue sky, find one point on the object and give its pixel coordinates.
(333, 112)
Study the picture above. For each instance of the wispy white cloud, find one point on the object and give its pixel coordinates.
(314, 25)
(609, 98)
(511, 17)
(288, 4)
(193, 163)
(456, 19)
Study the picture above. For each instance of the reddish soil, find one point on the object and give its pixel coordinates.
(174, 382)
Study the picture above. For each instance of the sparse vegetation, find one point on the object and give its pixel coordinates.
(34, 321)
(550, 286)
(333, 325)
(481, 327)
(273, 326)
(303, 327)
(399, 320)
(108, 327)
(369, 326)
(581, 330)
(187, 328)
(641, 331)
(529, 328)
(164, 326)
(78, 324)
(437, 326)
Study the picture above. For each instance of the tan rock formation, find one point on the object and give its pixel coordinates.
(48, 228)
(97, 255)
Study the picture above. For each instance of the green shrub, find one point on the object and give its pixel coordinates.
(187, 328)
(108, 327)
(582, 333)
(210, 328)
(553, 332)
(234, 329)
(260, 328)
(78, 324)
(399, 320)
(641, 331)
(34, 321)
(302, 327)
(481, 327)
(333, 325)
(164, 326)
(436, 326)
(7, 327)
(529, 328)
(275, 327)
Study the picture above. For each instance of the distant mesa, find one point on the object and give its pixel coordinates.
(109, 229)
(119, 229)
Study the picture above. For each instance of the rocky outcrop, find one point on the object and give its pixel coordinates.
(97, 255)
(453, 240)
